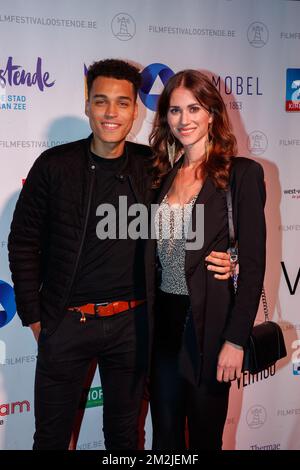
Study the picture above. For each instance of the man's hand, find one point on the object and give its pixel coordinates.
(219, 262)
(36, 329)
(230, 363)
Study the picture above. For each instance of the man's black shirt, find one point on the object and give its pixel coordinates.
(110, 269)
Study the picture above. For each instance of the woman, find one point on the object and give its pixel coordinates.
(200, 326)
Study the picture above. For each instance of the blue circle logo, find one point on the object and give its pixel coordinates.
(149, 76)
(7, 303)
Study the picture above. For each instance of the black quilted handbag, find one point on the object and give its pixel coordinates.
(266, 344)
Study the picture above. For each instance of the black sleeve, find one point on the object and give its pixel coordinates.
(26, 241)
(251, 235)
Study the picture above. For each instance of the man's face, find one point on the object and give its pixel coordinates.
(111, 109)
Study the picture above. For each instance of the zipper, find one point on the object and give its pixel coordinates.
(134, 189)
(92, 167)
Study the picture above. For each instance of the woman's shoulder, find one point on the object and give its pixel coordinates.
(242, 166)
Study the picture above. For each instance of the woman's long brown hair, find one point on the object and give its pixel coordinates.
(222, 142)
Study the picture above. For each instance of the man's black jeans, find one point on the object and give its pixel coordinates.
(120, 344)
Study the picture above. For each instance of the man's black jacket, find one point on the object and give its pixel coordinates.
(49, 225)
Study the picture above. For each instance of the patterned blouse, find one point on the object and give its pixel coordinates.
(171, 228)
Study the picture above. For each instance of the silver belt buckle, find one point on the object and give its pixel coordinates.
(102, 304)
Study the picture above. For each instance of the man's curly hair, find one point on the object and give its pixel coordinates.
(114, 68)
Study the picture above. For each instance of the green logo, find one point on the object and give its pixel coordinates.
(92, 397)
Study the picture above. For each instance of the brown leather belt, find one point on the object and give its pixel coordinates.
(105, 309)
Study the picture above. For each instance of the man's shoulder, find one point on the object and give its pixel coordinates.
(65, 149)
(63, 154)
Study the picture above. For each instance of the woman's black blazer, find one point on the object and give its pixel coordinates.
(216, 313)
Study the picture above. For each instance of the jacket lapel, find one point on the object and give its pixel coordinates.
(213, 201)
(132, 169)
(168, 182)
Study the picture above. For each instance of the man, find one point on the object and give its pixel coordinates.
(84, 297)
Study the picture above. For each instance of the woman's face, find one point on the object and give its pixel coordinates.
(187, 119)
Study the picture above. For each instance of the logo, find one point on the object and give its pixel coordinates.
(257, 142)
(258, 34)
(48, 21)
(16, 75)
(289, 142)
(249, 379)
(238, 85)
(296, 357)
(154, 78)
(20, 360)
(7, 303)
(91, 398)
(275, 446)
(289, 228)
(292, 99)
(288, 412)
(12, 408)
(292, 289)
(123, 26)
(256, 417)
(90, 445)
(294, 193)
(296, 368)
(33, 144)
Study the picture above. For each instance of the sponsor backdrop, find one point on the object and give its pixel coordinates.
(250, 51)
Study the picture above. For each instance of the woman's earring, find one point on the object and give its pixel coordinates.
(208, 143)
(171, 148)
(206, 149)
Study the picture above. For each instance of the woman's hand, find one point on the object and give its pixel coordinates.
(219, 262)
(36, 329)
(230, 362)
